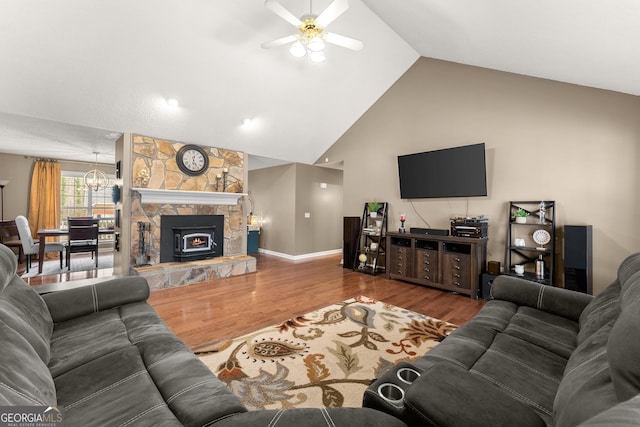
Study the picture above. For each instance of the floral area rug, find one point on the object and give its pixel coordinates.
(326, 358)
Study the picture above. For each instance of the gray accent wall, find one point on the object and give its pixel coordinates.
(281, 197)
(545, 140)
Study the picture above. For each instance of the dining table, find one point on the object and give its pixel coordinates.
(43, 233)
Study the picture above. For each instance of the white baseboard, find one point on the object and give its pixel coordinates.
(300, 257)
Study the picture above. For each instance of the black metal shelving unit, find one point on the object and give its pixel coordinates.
(370, 256)
(541, 216)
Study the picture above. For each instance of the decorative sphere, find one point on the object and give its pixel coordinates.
(362, 258)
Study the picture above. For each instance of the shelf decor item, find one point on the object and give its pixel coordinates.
(403, 218)
(541, 237)
(521, 216)
(373, 209)
(540, 267)
(363, 260)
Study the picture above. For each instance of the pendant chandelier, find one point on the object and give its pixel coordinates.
(96, 179)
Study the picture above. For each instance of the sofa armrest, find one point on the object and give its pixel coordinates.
(447, 395)
(72, 303)
(558, 301)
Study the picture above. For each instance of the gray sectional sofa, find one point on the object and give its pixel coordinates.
(103, 354)
(533, 356)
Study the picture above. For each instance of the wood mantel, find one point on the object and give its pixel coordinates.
(152, 195)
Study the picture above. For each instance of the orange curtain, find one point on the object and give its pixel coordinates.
(44, 198)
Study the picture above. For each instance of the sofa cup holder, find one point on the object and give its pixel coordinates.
(407, 375)
(391, 393)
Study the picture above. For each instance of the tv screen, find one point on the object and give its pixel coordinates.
(451, 172)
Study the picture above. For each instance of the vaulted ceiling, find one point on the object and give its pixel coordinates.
(75, 72)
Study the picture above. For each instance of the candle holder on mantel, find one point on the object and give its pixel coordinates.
(403, 218)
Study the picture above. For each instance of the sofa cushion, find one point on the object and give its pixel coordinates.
(128, 366)
(21, 308)
(521, 350)
(549, 331)
(24, 377)
(623, 414)
(468, 343)
(604, 308)
(447, 395)
(628, 267)
(114, 389)
(193, 393)
(623, 346)
(586, 388)
(78, 341)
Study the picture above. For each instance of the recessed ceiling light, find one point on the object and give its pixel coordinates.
(247, 122)
(172, 102)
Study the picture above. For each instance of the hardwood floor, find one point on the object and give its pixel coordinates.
(214, 311)
(226, 308)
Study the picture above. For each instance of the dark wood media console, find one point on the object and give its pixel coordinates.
(445, 262)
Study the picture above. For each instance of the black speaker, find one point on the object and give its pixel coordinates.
(432, 231)
(350, 235)
(578, 252)
(487, 281)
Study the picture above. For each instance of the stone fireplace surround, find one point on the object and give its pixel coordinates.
(169, 192)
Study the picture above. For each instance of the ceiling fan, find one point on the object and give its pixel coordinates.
(311, 37)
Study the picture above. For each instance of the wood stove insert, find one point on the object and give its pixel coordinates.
(191, 237)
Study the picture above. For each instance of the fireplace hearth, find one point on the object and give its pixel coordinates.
(191, 237)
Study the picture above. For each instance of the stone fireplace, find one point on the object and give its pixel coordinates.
(166, 194)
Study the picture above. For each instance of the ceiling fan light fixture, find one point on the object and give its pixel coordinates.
(316, 44)
(297, 50)
(317, 57)
(311, 38)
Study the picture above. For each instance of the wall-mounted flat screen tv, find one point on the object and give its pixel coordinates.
(451, 172)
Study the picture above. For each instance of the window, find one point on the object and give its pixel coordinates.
(78, 200)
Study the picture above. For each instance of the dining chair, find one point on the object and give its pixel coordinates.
(83, 237)
(31, 247)
(10, 237)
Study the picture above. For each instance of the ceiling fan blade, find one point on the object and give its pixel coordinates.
(280, 41)
(343, 41)
(335, 9)
(279, 10)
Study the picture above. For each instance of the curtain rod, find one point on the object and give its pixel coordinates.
(66, 161)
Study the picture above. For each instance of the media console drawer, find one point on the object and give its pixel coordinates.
(445, 262)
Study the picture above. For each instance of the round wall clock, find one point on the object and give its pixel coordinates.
(192, 160)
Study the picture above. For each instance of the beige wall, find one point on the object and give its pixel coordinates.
(323, 230)
(18, 169)
(544, 139)
(283, 194)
